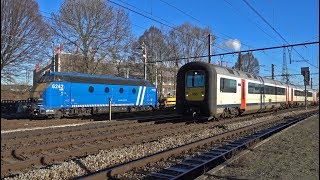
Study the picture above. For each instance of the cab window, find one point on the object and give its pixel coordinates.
(195, 79)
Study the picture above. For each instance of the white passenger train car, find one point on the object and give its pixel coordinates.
(211, 90)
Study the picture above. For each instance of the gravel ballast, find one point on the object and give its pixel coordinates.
(114, 156)
(292, 154)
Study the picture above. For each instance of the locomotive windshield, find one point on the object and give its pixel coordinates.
(195, 79)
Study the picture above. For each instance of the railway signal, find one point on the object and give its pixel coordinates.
(306, 74)
(307, 77)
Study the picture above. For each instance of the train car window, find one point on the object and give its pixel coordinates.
(298, 93)
(251, 87)
(266, 89)
(228, 85)
(198, 80)
(106, 90)
(121, 90)
(91, 89)
(134, 90)
(273, 90)
(309, 94)
(195, 79)
(189, 80)
(280, 91)
(254, 88)
(257, 89)
(269, 90)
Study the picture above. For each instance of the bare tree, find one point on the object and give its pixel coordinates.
(248, 63)
(100, 32)
(188, 40)
(24, 37)
(155, 43)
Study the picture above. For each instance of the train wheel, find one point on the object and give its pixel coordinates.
(58, 115)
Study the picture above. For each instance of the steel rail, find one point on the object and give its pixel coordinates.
(125, 167)
(198, 165)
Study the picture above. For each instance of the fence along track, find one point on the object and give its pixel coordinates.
(184, 172)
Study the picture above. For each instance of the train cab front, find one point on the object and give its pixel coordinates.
(194, 91)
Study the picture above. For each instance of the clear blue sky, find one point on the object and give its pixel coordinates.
(296, 20)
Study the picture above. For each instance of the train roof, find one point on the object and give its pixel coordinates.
(95, 79)
(245, 75)
(241, 74)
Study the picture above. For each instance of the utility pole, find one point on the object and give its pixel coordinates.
(311, 83)
(156, 77)
(306, 73)
(209, 48)
(53, 58)
(272, 71)
(144, 48)
(305, 96)
(285, 67)
(240, 63)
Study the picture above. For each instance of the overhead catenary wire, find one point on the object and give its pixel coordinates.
(254, 10)
(224, 34)
(290, 74)
(251, 50)
(239, 12)
(155, 20)
(194, 18)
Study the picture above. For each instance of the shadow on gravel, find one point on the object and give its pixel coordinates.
(224, 177)
(82, 166)
(15, 116)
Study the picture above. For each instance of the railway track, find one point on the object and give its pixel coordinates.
(42, 150)
(12, 114)
(205, 159)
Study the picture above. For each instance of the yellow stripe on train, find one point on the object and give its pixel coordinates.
(195, 93)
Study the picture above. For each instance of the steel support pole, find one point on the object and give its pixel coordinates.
(305, 96)
(110, 107)
(209, 48)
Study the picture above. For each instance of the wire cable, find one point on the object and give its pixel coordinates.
(254, 10)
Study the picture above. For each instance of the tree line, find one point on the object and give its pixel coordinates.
(98, 34)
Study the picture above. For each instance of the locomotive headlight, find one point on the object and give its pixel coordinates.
(187, 95)
(202, 95)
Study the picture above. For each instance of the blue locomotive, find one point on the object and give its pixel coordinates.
(72, 94)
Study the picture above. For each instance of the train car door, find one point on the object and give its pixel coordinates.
(243, 94)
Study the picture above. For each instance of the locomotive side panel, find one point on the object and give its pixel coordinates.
(61, 93)
(56, 95)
